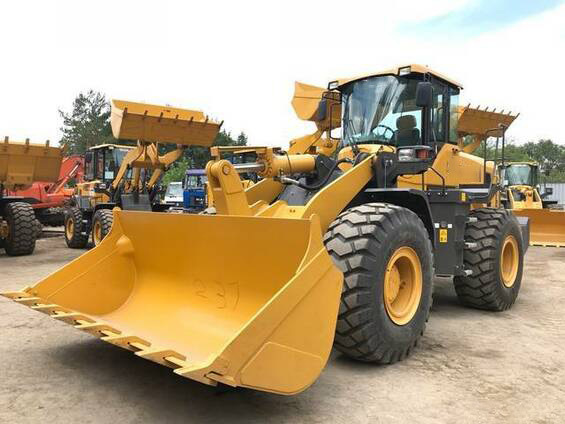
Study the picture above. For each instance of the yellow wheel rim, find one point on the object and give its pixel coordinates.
(509, 260)
(69, 229)
(97, 233)
(403, 285)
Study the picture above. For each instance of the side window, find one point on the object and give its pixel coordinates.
(453, 114)
(89, 165)
(99, 164)
(438, 113)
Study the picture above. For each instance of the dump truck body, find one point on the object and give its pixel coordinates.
(22, 164)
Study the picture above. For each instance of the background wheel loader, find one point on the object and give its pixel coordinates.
(128, 176)
(521, 195)
(327, 249)
(22, 164)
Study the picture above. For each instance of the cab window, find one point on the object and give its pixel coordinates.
(438, 112)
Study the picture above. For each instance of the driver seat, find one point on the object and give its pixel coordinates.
(407, 134)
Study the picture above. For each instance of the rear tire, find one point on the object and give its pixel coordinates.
(496, 278)
(21, 229)
(74, 229)
(364, 242)
(101, 225)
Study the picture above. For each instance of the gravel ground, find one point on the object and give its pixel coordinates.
(471, 366)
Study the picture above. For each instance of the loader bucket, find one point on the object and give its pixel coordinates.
(163, 124)
(245, 301)
(547, 226)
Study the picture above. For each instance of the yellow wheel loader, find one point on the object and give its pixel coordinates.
(327, 249)
(521, 195)
(128, 176)
(22, 164)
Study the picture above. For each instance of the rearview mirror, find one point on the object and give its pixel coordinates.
(549, 191)
(88, 157)
(424, 94)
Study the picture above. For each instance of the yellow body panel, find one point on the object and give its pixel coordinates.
(23, 163)
(456, 166)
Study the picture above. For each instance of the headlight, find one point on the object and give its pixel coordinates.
(405, 155)
(333, 85)
(406, 70)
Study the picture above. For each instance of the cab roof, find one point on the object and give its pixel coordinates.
(413, 68)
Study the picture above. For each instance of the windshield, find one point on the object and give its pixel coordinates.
(381, 110)
(519, 174)
(195, 181)
(174, 190)
(112, 163)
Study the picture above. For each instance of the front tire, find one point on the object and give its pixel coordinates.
(385, 254)
(74, 229)
(101, 225)
(21, 229)
(496, 261)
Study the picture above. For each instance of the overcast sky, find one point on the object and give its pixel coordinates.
(237, 60)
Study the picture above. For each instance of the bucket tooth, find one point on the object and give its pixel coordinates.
(191, 372)
(166, 357)
(28, 301)
(125, 341)
(96, 328)
(49, 309)
(15, 295)
(71, 317)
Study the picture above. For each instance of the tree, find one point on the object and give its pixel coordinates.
(88, 123)
(241, 139)
(549, 155)
(177, 171)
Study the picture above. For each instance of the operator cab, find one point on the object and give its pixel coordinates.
(517, 174)
(405, 106)
(103, 162)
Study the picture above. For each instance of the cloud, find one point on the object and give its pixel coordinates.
(482, 15)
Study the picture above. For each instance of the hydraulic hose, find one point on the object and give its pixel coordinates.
(326, 178)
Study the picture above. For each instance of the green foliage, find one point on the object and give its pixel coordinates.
(88, 123)
(197, 157)
(549, 155)
(176, 171)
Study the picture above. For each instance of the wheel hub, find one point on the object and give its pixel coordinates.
(403, 285)
(4, 229)
(509, 260)
(70, 229)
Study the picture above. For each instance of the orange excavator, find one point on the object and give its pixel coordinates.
(48, 198)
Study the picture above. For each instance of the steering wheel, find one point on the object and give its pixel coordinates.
(387, 128)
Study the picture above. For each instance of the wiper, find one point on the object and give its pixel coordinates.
(354, 147)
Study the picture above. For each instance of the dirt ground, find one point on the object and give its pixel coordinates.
(471, 366)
